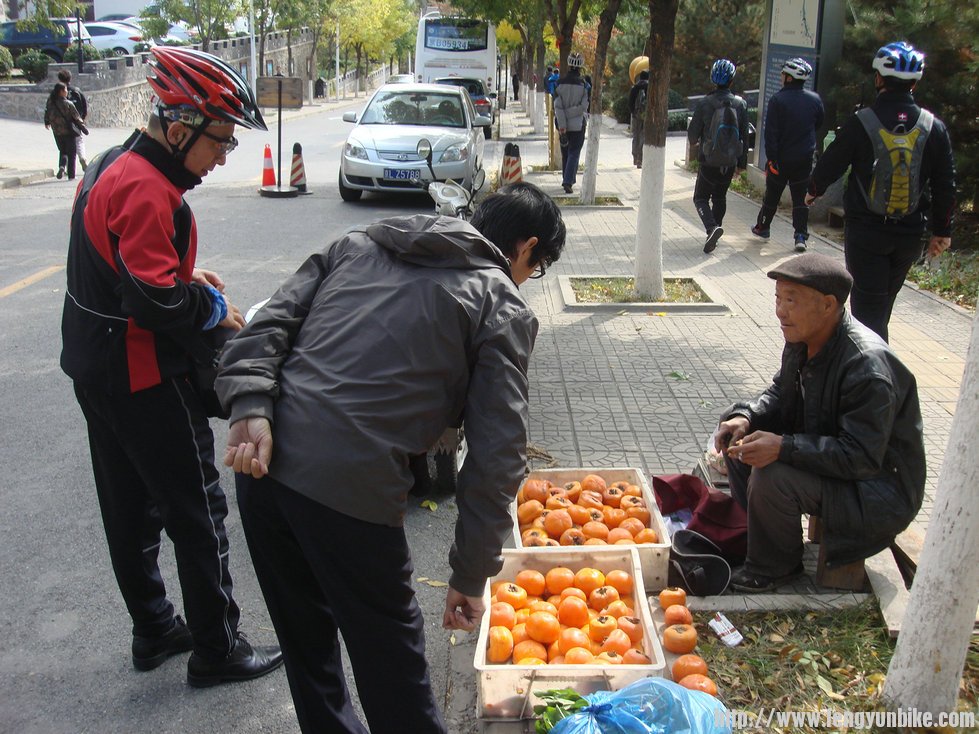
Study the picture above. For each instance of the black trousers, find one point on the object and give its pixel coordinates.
(879, 260)
(710, 194)
(323, 572)
(153, 458)
(795, 175)
(570, 156)
(66, 153)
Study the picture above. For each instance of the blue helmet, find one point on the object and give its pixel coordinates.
(722, 72)
(900, 60)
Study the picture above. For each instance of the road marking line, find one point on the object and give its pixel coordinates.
(30, 280)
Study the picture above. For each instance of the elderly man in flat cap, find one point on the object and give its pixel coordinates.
(837, 434)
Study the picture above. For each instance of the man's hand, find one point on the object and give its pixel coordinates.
(938, 245)
(462, 612)
(757, 449)
(207, 277)
(249, 447)
(234, 320)
(729, 432)
(810, 199)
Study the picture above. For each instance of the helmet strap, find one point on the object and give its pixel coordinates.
(180, 153)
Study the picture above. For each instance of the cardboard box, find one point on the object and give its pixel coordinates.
(506, 691)
(654, 557)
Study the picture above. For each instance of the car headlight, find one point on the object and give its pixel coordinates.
(355, 151)
(457, 152)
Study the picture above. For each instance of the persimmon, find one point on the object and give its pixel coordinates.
(687, 665)
(632, 626)
(677, 614)
(543, 606)
(699, 682)
(536, 541)
(640, 513)
(572, 637)
(551, 542)
(594, 483)
(588, 579)
(500, 646)
(613, 517)
(574, 591)
(619, 609)
(626, 541)
(572, 536)
(590, 499)
(529, 511)
(601, 597)
(559, 660)
(573, 489)
(595, 515)
(647, 535)
(502, 614)
(543, 627)
(558, 579)
(631, 500)
(531, 661)
(578, 656)
(554, 649)
(531, 581)
(535, 489)
(580, 515)
(520, 627)
(672, 595)
(633, 490)
(529, 649)
(618, 641)
(680, 638)
(618, 533)
(495, 586)
(633, 525)
(634, 656)
(609, 657)
(620, 580)
(557, 503)
(515, 596)
(600, 627)
(593, 529)
(556, 522)
(595, 541)
(555, 491)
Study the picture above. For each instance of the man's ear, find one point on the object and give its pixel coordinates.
(176, 134)
(526, 246)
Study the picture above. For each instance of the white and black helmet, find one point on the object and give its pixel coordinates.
(575, 60)
(797, 69)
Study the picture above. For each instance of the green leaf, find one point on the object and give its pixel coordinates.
(679, 375)
(430, 505)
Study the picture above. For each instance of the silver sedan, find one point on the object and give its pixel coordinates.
(381, 151)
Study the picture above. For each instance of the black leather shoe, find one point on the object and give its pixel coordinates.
(244, 663)
(152, 652)
(753, 583)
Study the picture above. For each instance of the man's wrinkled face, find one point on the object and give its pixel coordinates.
(210, 150)
(802, 312)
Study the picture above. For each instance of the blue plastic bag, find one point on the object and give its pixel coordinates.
(648, 706)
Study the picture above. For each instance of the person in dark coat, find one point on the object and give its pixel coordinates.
(63, 120)
(76, 97)
(837, 435)
(637, 108)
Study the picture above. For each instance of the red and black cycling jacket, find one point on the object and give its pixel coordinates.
(132, 317)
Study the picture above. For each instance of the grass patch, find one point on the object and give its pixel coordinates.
(599, 201)
(812, 661)
(954, 276)
(621, 290)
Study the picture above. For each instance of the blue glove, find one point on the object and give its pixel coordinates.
(219, 307)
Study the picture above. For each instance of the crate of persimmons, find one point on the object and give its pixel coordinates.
(563, 619)
(593, 507)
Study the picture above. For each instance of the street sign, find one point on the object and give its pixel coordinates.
(268, 92)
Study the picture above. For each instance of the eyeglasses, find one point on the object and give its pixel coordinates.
(225, 145)
(539, 271)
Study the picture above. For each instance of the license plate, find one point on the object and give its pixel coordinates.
(401, 174)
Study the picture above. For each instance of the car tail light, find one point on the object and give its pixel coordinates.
(136, 38)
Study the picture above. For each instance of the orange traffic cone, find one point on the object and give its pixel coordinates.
(298, 178)
(268, 172)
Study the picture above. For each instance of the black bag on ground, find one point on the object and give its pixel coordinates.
(696, 565)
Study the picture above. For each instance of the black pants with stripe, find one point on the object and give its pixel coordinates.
(710, 194)
(324, 573)
(153, 458)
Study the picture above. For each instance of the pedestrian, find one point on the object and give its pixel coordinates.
(353, 399)
(902, 181)
(719, 127)
(794, 115)
(570, 108)
(837, 435)
(137, 315)
(517, 68)
(551, 81)
(76, 97)
(637, 105)
(63, 120)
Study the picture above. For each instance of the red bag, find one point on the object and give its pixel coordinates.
(716, 515)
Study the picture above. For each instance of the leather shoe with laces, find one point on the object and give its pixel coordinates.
(244, 663)
(152, 652)
(745, 581)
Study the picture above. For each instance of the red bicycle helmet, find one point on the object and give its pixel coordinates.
(186, 77)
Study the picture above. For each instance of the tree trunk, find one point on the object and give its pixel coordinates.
(928, 661)
(540, 106)
(605, 24)
(649, 228)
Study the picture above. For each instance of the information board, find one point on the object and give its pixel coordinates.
(267, 92)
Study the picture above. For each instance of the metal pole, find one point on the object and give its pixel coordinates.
(337, 65)
(252, 55)
(78, 32)
(280, 135)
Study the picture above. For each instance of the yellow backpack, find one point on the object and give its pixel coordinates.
(895, 184)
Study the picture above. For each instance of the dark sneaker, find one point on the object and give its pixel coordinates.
(567, 188)
(152, 652)
(757, 231)
(753, 583)
(713, 236)
(61, 173)
(244, 663)
(800, 242)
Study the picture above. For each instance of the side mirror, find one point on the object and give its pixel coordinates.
(350, 117)
(424, 149)
(479, 178)
(482, 121)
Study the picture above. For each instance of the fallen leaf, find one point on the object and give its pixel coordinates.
(430, 505)
(433, 582)
(660, 313)
(775, 637)
(452, 638)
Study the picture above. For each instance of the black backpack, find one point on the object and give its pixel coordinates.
(722, 145)
(640, 108)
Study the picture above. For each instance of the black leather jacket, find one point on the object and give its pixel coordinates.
(851, 415)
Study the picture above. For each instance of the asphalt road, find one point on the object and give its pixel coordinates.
(64, 645)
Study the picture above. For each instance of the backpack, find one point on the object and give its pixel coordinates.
(722, 146)
(640, 108)
(895, 183)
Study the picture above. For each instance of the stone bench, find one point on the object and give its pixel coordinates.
(850, 576)
(834, 216)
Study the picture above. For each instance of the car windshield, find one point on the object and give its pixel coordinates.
(415, 108)
(473, 86)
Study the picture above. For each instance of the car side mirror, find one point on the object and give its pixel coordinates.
(350, 117)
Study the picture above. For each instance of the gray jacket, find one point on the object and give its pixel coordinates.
(570, 103)
(369, 352)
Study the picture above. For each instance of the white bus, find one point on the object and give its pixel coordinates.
(452, 46)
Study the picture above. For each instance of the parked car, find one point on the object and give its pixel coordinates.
(401, 79)
(54, 42)
(119, 38)
(485, 104)
(381, 152)
(177, 31)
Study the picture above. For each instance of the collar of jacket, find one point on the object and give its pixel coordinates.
(163, 160)
(887, 97)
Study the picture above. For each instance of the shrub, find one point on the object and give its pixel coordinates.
(677, 120)
(141, 48)
(620, 109)
(89, 53)
(34, 64)
(6, 61)
(676, 101)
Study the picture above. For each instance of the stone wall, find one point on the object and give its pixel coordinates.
(116, 88)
